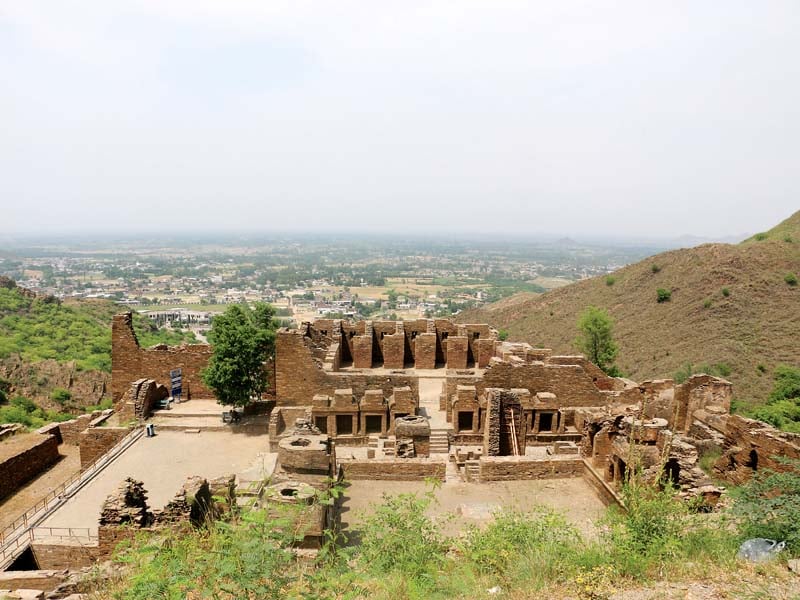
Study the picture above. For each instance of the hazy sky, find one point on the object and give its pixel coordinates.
(661, 118)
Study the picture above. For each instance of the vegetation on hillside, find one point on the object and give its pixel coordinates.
(728, 305)
(783, 405)
(38, 329)
(404, 553)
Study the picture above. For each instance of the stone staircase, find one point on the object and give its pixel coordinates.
(440, 443)
(389, 448)
(472, 470)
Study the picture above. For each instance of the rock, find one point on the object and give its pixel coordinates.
(794, 566)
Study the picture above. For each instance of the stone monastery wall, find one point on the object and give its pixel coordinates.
(130, 362)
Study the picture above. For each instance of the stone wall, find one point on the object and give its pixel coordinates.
(606, 493)
(510, 468)
(752, 445)
(700, 392)
(65, 556)
(44, 580)
(24, 457)
(68, 432)
(570, 383)
(96, 441)
(130, 362)
(407, 469)
(299, 375)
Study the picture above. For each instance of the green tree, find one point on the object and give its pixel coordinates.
(596, 338)
(242, 339)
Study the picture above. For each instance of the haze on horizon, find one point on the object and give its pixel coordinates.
(580, 118)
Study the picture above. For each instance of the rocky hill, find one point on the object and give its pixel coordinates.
(735, 308)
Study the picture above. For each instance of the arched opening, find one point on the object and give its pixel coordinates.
(752, 462)
(672, 473)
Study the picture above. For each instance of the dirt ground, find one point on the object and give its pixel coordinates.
(475, 502)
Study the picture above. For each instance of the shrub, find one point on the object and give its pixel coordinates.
(24, 403)
(707, 303)
(663, 295)
(61, 395)
(498, 546)
(791, 279)
(610, 280)
(760, 237)
(761, 368)
(726, 292)
(769, 505)
(788, 239)
(787, 384)
(400, 537)
(655, 268)
(502, 335)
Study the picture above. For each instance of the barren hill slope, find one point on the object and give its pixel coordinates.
(757, 323)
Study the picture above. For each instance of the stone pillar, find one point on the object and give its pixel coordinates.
(457, 350)
(425, 351)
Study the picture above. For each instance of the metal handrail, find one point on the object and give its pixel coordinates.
(58, 491)
(63, 533)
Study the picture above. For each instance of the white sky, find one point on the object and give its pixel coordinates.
(614, 118)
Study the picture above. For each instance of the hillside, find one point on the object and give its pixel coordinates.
(730, 305)
(46, 344)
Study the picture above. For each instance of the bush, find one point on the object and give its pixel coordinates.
(726, 292)
(760, 237)
(791, 279)
(788, 239)
(61, 395)
(511, 535)
(24, 403)
(610, 280)
(502, 335)
(769, 505)
(655, 268)
(707, 303)
(400, 537)
(663, 295)
(787, 384)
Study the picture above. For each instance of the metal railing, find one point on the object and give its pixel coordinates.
(19, 532)
(63, 533)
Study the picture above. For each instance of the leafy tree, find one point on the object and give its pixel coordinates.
(242, 339)
(596, 338)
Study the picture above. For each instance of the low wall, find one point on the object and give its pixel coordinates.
(510, 468)
(65, 556)
(45, 580)
(96, 441)
(603, 489)
(25, 457)
(406, 469)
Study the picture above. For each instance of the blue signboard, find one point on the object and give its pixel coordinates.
(176, 379)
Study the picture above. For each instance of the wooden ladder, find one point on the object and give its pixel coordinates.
(511, 429)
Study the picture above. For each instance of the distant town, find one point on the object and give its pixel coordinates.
(305, 277)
